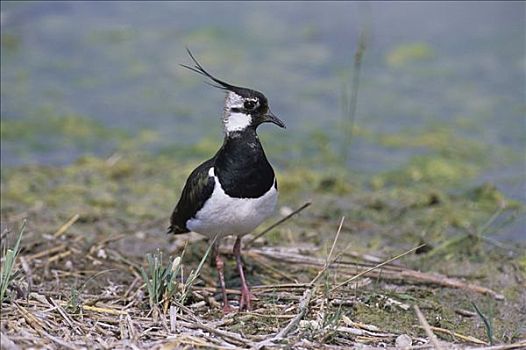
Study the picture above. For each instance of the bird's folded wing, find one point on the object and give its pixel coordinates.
(198, 188)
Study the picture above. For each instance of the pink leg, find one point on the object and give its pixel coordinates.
(245, 302)
(220, 267)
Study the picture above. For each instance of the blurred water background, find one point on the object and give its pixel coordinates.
(440, 78)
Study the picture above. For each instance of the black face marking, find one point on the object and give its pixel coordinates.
(253, 107)
(250, 104)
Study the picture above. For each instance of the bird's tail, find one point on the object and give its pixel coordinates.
(176, 230)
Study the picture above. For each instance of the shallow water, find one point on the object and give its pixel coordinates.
(112, 69)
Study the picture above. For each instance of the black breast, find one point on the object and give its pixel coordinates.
(242, 167)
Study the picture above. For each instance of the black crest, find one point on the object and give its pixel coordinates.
(198, 68)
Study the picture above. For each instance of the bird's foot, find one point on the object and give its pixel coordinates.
(227, 309)
(245, 302)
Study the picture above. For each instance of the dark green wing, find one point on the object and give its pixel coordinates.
(198, 188)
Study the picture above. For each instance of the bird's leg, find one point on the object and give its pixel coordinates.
(220, 274)
(244, 303)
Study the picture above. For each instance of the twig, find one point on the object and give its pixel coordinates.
(519, 345)
(432, 337)
(393, 273)
(376, 267)
(38, 326)
(467, 338)
(302, 310)
(64, 316)
(275, 316)
(328, 260)
(233, 337)
(35, 323)
(277, 223)
(46, 252)
(449, 282)
(273, 269)
(281, 286)
(334, 242)
(107, 240)
(364, 332)
(306, 298)
(59, 256)
(293, 324)
(103, 310)
(465, 313)
(67, 225)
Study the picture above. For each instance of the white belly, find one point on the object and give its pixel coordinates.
(223, 215)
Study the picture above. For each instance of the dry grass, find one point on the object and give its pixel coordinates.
(80, 291)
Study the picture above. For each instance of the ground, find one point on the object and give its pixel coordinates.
(91, 225)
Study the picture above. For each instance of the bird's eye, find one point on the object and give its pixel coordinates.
(249, 104)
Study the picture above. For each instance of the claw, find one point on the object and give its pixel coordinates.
(245, 302)
(227, 309)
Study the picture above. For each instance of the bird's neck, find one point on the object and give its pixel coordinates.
(243, 147)
(246, 137)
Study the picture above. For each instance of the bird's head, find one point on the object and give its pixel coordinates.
(244, 108)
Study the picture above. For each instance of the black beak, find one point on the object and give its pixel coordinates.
(270, 117)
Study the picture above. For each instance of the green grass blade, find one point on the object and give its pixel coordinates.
(487, 323)
(7, 274)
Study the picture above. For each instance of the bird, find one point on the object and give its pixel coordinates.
(233, 192)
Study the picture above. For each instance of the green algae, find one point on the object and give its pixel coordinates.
(431, 169)
(50, 131)
(406, 54)
(10, 42)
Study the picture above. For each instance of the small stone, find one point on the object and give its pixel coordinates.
(102, 254)
(403, 341)
(310, 324)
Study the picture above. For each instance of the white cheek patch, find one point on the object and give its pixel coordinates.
(237, 122)
(233, 100)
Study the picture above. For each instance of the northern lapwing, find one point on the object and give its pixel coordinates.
(236, 190)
